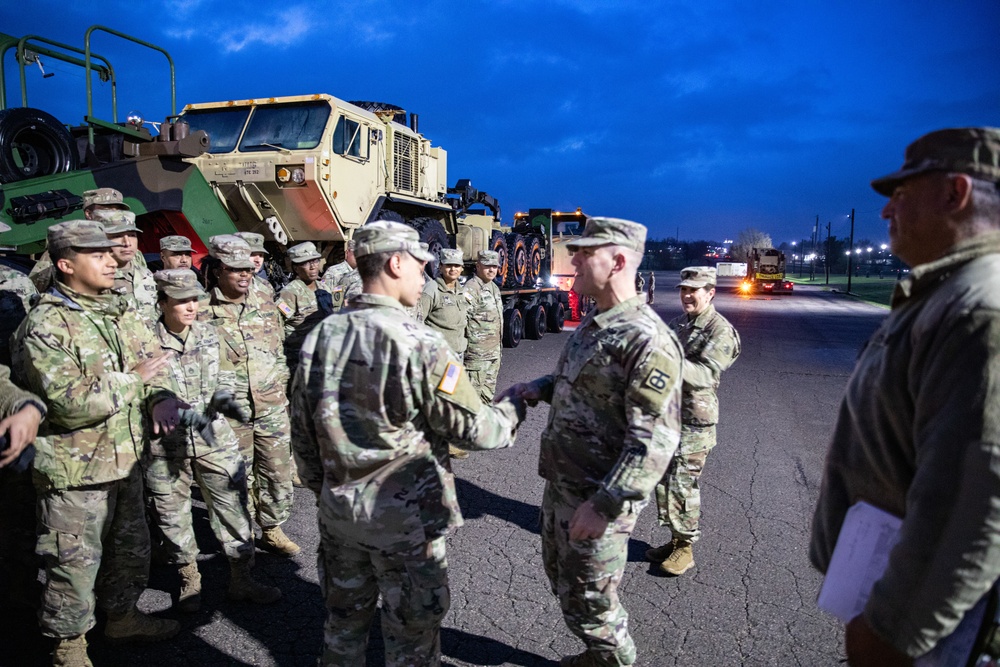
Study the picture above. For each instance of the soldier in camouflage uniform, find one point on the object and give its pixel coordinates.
(388, 393)
(260, 287)
(250, 332)
(299, 301)
(652, 287)
(133, 280)
(185, 456)
(93, 362)
(344, 276)
(17, 293)
(711, 345)
(97, 205)
(613, 426)
(175, 252)
(485, 325)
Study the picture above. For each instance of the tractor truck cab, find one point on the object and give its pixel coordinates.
(766, 272)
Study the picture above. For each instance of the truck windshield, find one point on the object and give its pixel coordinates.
(289, 126)
(223, 126)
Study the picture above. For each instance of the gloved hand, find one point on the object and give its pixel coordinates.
(199, 422)
(224, 402)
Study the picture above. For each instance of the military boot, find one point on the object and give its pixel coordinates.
(244, 588)
(189, 600)
(274, 539)
(660, 554)
(680, 560)
(585, 659)
(71, 652)
(135, 626)
(457, 452)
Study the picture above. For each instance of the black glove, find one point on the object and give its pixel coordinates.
(198, 422)
(224, 402)
(24, 460)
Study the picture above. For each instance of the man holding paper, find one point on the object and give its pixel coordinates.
(918, 434)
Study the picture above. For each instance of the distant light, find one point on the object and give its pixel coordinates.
(869, 249)
(847, 252)
(884, 246)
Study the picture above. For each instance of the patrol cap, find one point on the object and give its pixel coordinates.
(451, 256)
(303, 252)
(104, 197)
(254, 240)
(231, 250)
(389, 236)
(176, 244)
(967, 150)
(179, 283)
(698, 276)
(78, 234)
(611, 231)
(119, 222)
(488, 258)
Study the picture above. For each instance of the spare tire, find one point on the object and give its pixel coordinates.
(517, 261)
(499, 245)
(533, 260)
(32, 144)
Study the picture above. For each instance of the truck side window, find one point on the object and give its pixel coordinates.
(347, 138)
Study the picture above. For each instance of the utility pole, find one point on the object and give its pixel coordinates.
(850, 257)
(826, 264)
(812, 264)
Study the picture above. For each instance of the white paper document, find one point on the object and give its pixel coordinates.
(859, 559)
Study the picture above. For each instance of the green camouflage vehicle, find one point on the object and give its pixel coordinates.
(46, 166)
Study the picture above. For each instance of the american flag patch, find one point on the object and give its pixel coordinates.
(450, 380)
(285, 308)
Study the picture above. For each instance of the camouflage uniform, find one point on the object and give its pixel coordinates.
(443, 310)
(300, 306)
(17, 506)
(251, 341)
(485, 324)
(77, 352)
(261, 287)
(711, 345)
(16, 294)
(389, 392)
(652, 287)
(344, 277)
(134, 281)
(614, 423)
(182, 457)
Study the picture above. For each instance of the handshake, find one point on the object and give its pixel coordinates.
(223, 402)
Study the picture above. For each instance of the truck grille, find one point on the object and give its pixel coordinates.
(406, 163)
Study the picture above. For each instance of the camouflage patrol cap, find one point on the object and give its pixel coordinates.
(698, 276)
(176, 244)
(231, 250)
(119, 222)
(488, 258)
(967, 150)
(254, 240)
(179, 283)
(389, 236)
(451, 256)
(611, 231)
(303, 252)
(78, 234)
(104, 197)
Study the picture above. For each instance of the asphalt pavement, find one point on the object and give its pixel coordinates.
(750, 600)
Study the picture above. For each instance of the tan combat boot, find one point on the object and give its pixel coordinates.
(71, 652)
(189, 600)
(680, 560)
(244, 588)
(457, 452)
(660, 554)
(136, 626)
(274, 540)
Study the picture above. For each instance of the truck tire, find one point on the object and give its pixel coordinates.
(557, 317)
(32, 144)
(499, 246)
(535, 322)
(432, 233)
(513, 327)
(517, 260)
(533, 250)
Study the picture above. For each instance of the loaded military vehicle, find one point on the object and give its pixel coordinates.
(766, 272)
(300, 168)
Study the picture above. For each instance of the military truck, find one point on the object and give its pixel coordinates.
(766, 272)
(46, 166)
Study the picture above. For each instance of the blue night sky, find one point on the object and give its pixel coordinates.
(694, 116)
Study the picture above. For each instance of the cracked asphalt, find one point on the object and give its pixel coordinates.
(750, 600)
